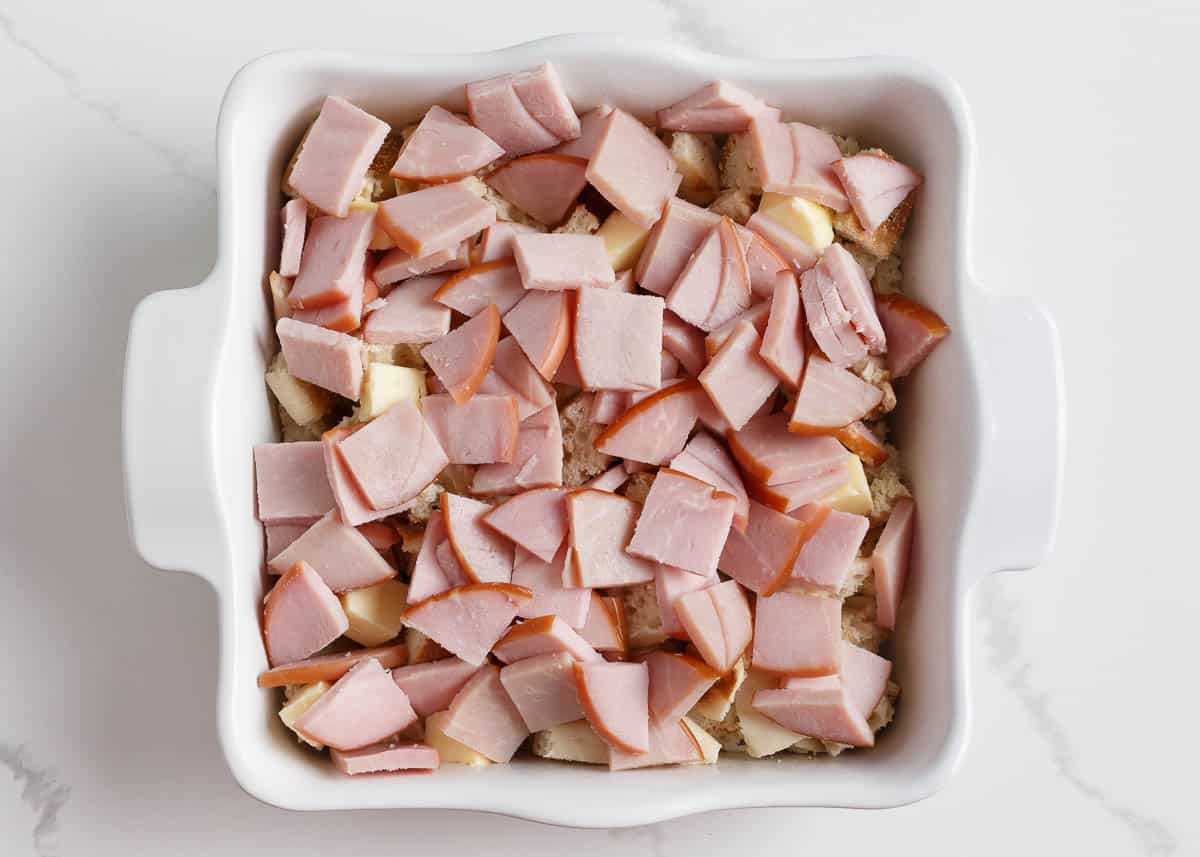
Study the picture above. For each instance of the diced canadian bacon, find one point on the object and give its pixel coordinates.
(544, 186)
(474, 288)
(541, 324)
(615, 699)
(462, 357)
(913, 331)
(655, 429)
(830, 398)
(331, 667)
(485, 556)
(468, 620)
(444, 148)
(860, 440)
(301, 616)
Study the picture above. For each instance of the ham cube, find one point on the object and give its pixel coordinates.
(362, 708)
(331, 667)
(601, 524)
(394, 457)
(444, 148)
(543, 690)
(535, 519)
(670, 584)
(604, 629)
(655, 429)
(822, 708)
(331, 269)
(428, 577)
(544, 186)
(825, 560)
(795, 252)
(550, 597)
(683, 523)
(782, 345)
(290, 483)
(482, 431)
(736, 379)
(685, 343)
(607, 406)
(765, 264)
(864, 674)
(615, 698)
(472, 289)
(762, 557)
(301, 616)
(591, 126)
(890, 561)
(396, 265)
(485, 556)
(672, 241)
(830, 398)
(338, 552)
(514, 373)
(618, 340)
(524, 112)
(409, 314)
(326, 358)
(797, 634)
(714, 285)
(677, 682)
(913, 331)
(541, 325)
(279, 536)
(385, 758)
(537, 462)
(875, 184)
(335, 154)
(757, 315)
(671, 743)
(434, 218)
(609, 480)
(432, 686)
(633, 170)
(718, 108)
(468, 620)
(461, 358)
(541, 636)
(797, 159)
(706, 459)
(352, 504)
(768, 453)
(854, 288)
(562, 261)
(497, 241)
(483, 717)
(717, 621)
(295, 224)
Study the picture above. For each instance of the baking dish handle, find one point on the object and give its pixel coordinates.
(1024, 423)
(170, 364)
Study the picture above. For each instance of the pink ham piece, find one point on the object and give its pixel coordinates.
(351, 503)
(714, 285)
(434, 218)
(601, 524)
(604, 629)
(537, 463)
(338, 552)
(535, 519)
(451, 568)
(762, 557)
(362, 708)
(386, 758)
(279, 536)
(485, 556)
(543, 690)
(550, 597)
(394, 456)
(677, 682)
(854, 288)
(783, 341)
(669, 744)
(461, 358)
(472, 289)
(331, 269)
(482, 431)
(615, 697)
(544, 186)
(890, 561)
(797, 634)
(683, 523)
(671, 243)
(758, 316)
(345, 315)
(295, 223)
(497, 241)
(409, 314)
(513, 373)
(736, 379)
(863, 673)
(769, 453)
(335, 154)
(555, 260)
(913, 331)
(718, 108)
(875, 184)
(797, 159)
(765, 263)
(863, 442)
(483, 717)
(685, 343)
(444, 148)
(540, 636)
(468, 620)
(326, 358)
(607, 405)
(830, 398)
(655, 429)
(331, 667)
(383, 537)
(825, 560)
(632, 169)
(705, 458)
(821, 708)
(618, 340)
(670, 367)
(301, 616)
(829, 320)
(290, 483)
(428, 576)
(785, 243)
(789, 496)
(717, 621)
(609, 480)
(396, 265)
(524, 112)
(432, 686)
(591, 126)
(541, 325)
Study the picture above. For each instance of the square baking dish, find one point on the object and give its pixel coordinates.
(981, 425)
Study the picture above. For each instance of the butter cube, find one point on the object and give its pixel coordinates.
(375, 612)
(448, 749)
(623, 240)
(303, 402)
(854, 496)
(298, 703)
(812, 222)
(385, 384)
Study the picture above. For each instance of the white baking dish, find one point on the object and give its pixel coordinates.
(981, 424)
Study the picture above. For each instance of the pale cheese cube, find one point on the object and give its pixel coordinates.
(279, 288)
(812, 222)
(376, 613)
(304, 402)
(762, 735)
(384, 385)
(710, 747)
(623, 240)
(448, 749)
(298, 703)
(854, 496)
(571, 742)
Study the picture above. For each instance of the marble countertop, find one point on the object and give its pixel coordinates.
(106, 719)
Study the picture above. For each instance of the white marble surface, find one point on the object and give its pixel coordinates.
(1087, 180)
